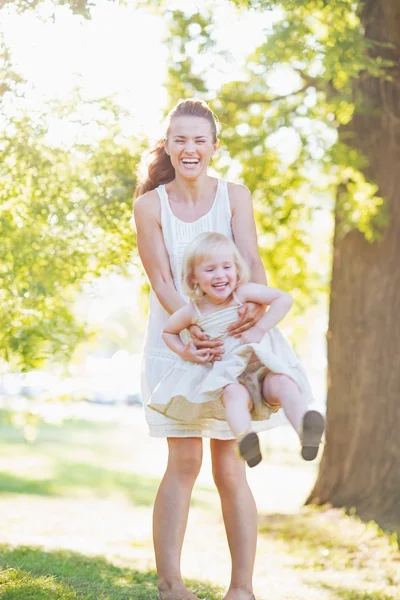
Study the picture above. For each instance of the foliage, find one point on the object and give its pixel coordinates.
(78, 7)
(64, 222)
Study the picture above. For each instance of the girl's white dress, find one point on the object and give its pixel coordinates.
(192, 391)
(157, 359)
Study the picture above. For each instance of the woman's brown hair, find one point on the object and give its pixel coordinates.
(159, 166)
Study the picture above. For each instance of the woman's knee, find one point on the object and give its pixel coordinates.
(228, 470)
(185, 457)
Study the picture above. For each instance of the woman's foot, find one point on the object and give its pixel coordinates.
(176, 593)
(313, 428)
(238, 595)
(249, 449)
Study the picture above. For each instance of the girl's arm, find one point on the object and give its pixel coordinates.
(279, 303)
(180, 320)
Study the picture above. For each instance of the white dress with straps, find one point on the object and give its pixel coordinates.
(158, 360)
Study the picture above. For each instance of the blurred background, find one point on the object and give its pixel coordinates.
(308, 95)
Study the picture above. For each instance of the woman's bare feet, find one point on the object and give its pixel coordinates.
(235, 594)
(176, 593)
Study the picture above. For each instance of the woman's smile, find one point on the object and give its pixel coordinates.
(190, 163)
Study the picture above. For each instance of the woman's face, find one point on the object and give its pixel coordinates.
(190, 145)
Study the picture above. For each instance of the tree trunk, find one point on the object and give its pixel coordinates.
(360, 466)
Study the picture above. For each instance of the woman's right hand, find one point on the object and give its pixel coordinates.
(202, 341)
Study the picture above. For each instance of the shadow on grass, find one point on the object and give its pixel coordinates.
(325, 537)
(73, 459)
(66, 432)
(347, 594)
(87, 480)
(312, 527)
(81, 479)
(27, 572)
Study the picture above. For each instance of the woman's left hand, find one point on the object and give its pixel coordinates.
(249, 315)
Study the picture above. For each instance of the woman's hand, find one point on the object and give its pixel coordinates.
(249, 315)
(202, 341)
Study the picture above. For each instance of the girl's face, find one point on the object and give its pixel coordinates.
(216, 275)
(190, 145)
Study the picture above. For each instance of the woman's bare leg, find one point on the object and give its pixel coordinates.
(240, 516)
(171, 509)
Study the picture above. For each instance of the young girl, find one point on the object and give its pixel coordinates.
(235, 389)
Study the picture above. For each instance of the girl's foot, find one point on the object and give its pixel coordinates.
(249, 449)
(313, 428)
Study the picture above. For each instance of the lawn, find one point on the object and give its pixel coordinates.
(76, 523)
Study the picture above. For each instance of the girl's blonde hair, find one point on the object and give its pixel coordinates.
(202, 248)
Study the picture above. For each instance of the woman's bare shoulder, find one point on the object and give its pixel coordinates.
(239, 198)
(238, 192)
(148, 201)
(147, 205)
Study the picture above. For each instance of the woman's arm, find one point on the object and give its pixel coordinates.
(244, 230)
(152, 251)
(279, 303)
(245, 237)
(180, 320)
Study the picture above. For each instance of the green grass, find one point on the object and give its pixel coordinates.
(30, 573)
(76, 525)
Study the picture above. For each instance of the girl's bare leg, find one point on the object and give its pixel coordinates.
(308, 424)
(281, 390)
(240, 516)
(237, 402)
(171, 509)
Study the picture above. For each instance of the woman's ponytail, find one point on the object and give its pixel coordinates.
(159, 170)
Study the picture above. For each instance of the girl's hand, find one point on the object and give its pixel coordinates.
(190, 352)
(202, 341)
(250, 313)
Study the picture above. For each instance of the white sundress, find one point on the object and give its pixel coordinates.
(157, 359)
(192, 391)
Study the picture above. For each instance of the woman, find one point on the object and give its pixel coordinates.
(177, 201)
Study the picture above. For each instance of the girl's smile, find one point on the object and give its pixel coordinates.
(216, 276)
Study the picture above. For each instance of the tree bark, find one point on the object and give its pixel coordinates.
(360, 467)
